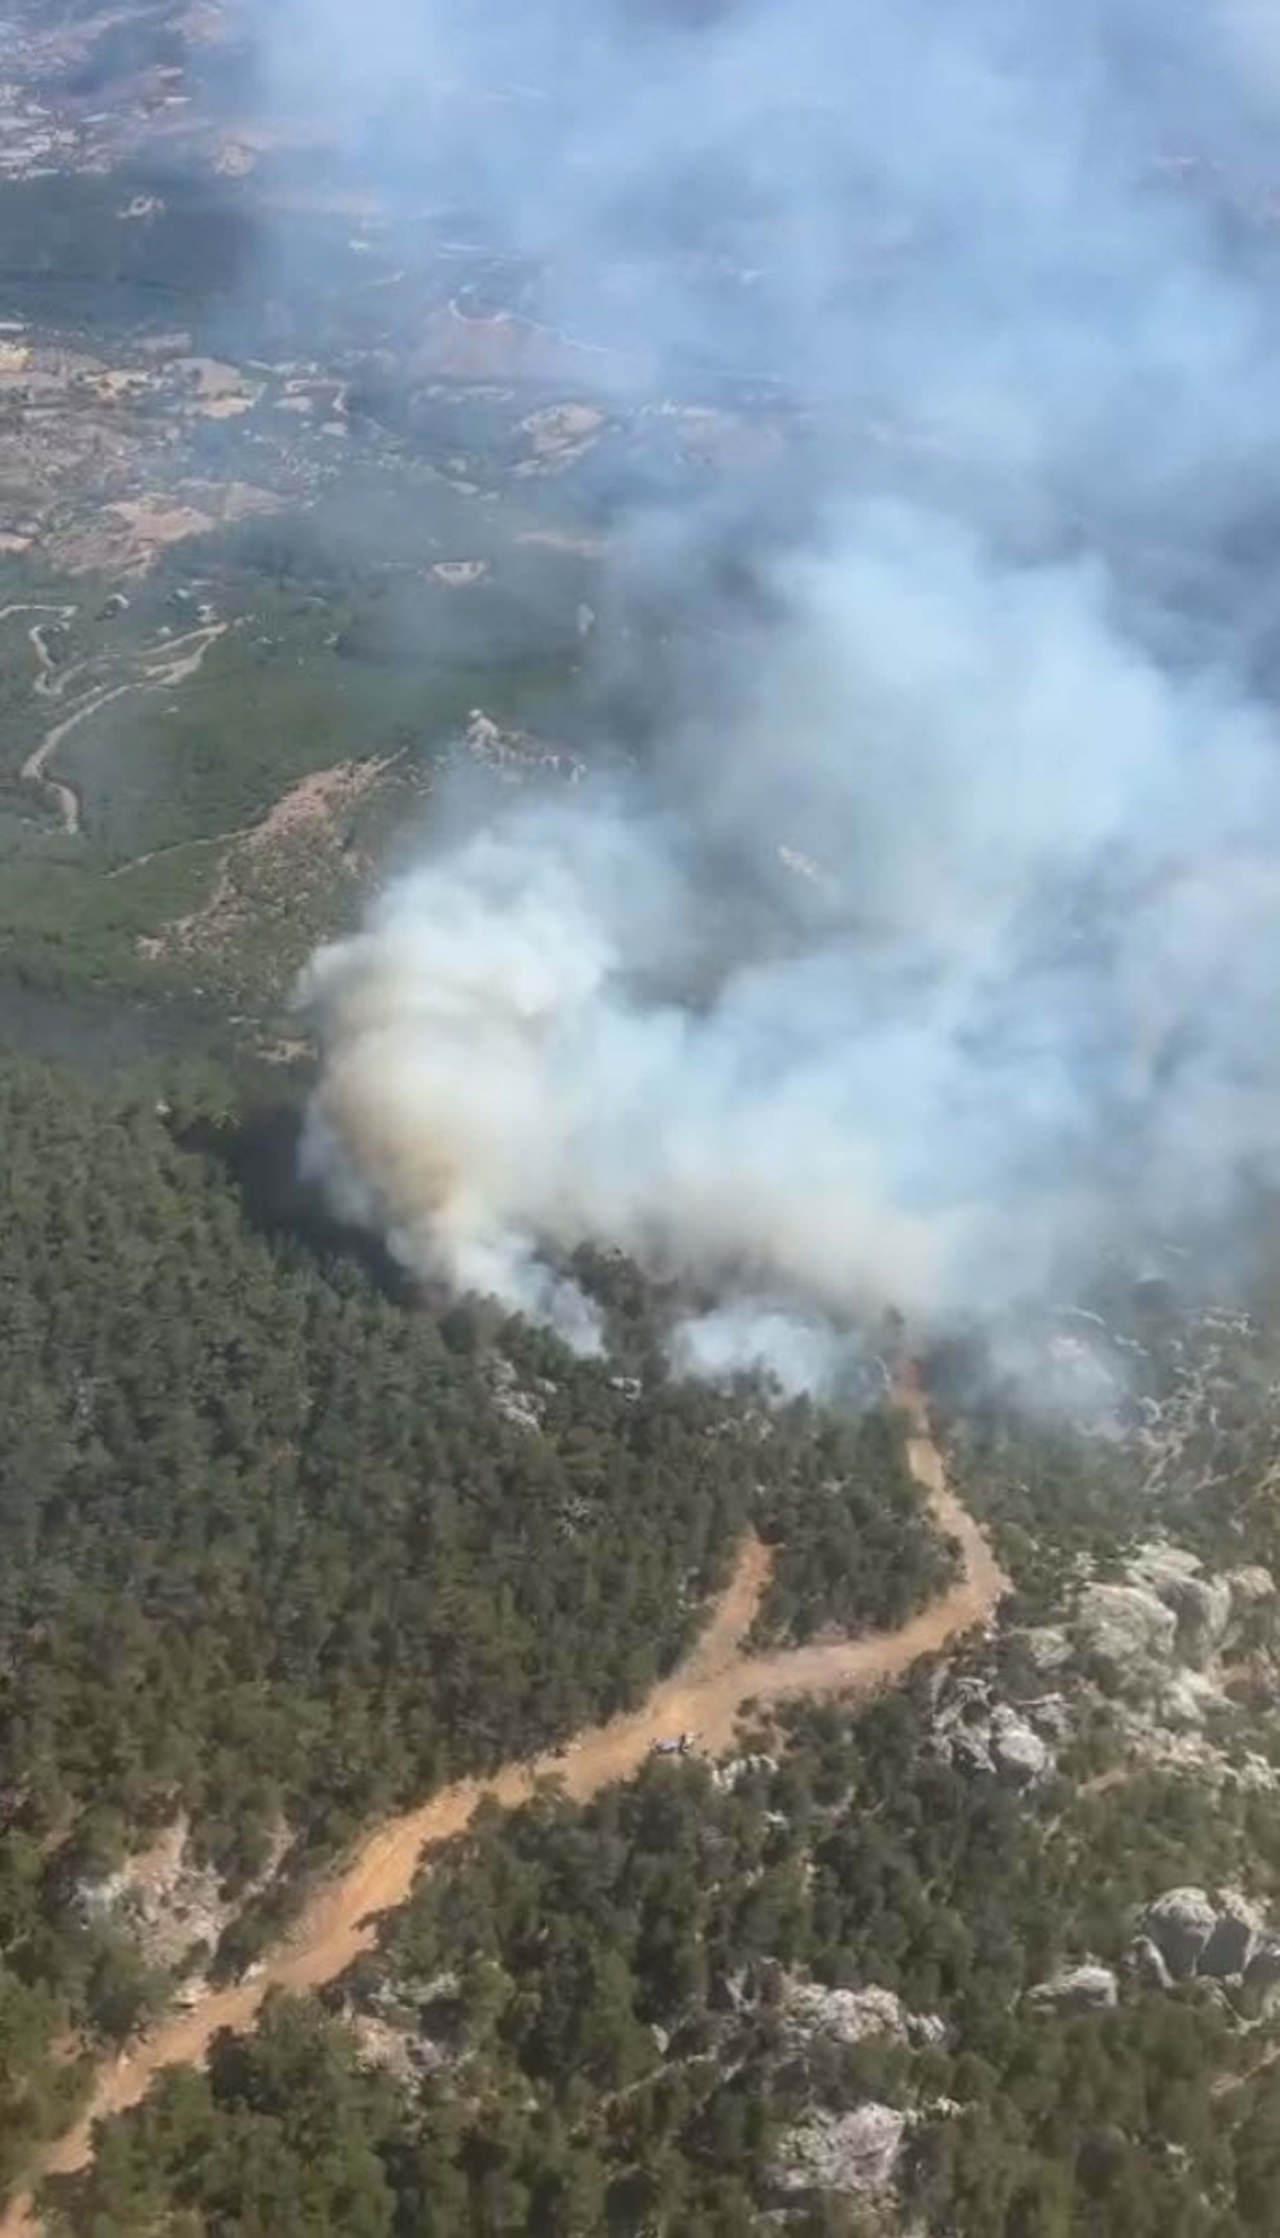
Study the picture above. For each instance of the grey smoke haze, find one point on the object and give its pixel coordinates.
(937, 946)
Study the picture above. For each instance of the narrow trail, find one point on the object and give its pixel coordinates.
(704, 1695)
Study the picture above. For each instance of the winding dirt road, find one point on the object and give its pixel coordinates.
(177, 660)
(705, 1696)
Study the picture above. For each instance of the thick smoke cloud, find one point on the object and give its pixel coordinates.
(937, 946)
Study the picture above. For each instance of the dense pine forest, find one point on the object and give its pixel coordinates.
(586, 2021)
(287, 1545)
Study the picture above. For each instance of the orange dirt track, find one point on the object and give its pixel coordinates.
(704, 1696)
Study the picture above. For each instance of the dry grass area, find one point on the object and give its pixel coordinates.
(267, 871)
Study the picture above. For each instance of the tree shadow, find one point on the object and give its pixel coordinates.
(259, 1153)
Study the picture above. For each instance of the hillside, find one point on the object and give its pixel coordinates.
(639, 1336)
(285, 1550)
(998, 1952)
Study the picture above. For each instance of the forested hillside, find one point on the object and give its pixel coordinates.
(995, 1956)
(284, 1548)
(616, 2019)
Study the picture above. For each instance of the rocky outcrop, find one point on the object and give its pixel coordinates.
(1262, 1973)
(977, 1733)
(413, 2027)
(1018, 1753)
(1181, 1936)
(1235, 1937)
(1033, 1658)
(842, 2016)
(1076, 1989)
(1180, 1923)
(1253, 1600)
(1200, 1606)
(856, 2153)
(401, 2053)
(168, 1902)
(810, 2010)
(515, 1401)
(1169, 1616)
(1192, 1936)
(925, 2030)
(1147, 1962)
(1183, 1700)
(1125, 1631)
(733, 1771)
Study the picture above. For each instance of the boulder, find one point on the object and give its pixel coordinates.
(969, 1749)
(1126, 1630)
(1148, 1963)
(959, 1702)
(1263, 1969)
(1203, 1609)
(1256, 1773)
(1201, 1605)
(1180, 1923)
(1032, 1658)
(1253, 1598)
(1163, 1567)
(854, 2153)
(978, 1734)
(1184, 1698)
(962, 1723)
(736, 1769)
(843, 2016)
(1235, 1937)
(1076, 1989)
(925, 2031)
(1018, 1754)
(1051, 1716)
(1252, 1587)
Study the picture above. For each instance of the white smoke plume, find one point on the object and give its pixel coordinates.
(996, 769)
(746, 1336)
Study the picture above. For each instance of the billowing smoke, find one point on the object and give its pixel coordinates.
(934, 947)
(799, 1351)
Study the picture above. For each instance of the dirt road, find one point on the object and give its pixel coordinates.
(35, 768)
(180, 658)
(705, 1696)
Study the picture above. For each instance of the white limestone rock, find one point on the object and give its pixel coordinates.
(1018, 1754)
(979, 1734)
(1180, 1923)
(1250, 1586)
(856, 2154)
(1201, 1606)
(1127, 1631)
(1033, 1657)
(843, 2016)
(1253, 1603)
(1148, 1963)
(925, 2031)
(1184, 1698)
(1076, 1989)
